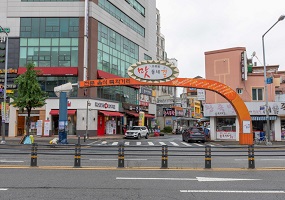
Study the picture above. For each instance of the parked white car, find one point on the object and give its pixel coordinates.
(137, 132)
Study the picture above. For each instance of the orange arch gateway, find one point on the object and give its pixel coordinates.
(245, 124)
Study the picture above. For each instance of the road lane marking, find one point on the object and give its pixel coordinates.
(200, 179)
(186, 144)
(3, 189)
(139, 143)
(11, 161)
(104, 142)
(150, 143)
(115, 143)
(174, 144)
(200, 145)
(261, 159)
(127, 143)
(162, 143)
(169, 179)
(111, 159)
(235, 191)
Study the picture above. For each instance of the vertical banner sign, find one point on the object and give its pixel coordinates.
(141, 119)
(2, 111)
(46, 127)
(7, 116)
(39, 127)
(246, 126)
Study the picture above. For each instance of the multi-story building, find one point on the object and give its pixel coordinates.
(75, 40)
(231, 67)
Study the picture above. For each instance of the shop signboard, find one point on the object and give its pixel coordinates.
(152, 71)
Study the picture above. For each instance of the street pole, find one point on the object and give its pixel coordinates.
(5, 90)
(265, 81)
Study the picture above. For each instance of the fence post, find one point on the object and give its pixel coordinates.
(164, 157)
(121, 156)
(34, 155)
(77, 156)
(208, 157)
(251, 163)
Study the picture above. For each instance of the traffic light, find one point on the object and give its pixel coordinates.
(2, 52)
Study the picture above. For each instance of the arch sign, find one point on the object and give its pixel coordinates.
(161, 73)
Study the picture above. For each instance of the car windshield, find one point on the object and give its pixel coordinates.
(135, 128)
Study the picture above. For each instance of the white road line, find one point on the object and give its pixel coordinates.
(162, 143)
(200, 145)
(3, 189)
(127, 143)
(11, 161)
(170, 179)
(234, 191)
(139, 143)
(150, 143)
(186, 144)
(174, 144)
(261, 159)
(114, 159)
(115, 143)
(104, 142)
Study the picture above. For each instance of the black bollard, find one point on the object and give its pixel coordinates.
(251, 162)
(34, 155)
(121, 156)
(208, 157)
(77, 156)
(164, 157)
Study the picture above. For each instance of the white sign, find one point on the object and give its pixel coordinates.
(246, 126)
(226, 135)
(46, 128)
(201, 95)
(153, 71)
(101, 105)
(39, 127)
(254, 108)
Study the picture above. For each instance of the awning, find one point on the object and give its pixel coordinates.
(133, 114)
(149, 116)
(111, 113)
(56, 112)
(263, 118)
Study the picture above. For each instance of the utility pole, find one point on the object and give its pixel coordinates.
(5, 89)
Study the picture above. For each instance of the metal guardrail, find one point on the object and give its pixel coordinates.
(122, 151)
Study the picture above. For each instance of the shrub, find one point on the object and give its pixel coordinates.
(167, 129)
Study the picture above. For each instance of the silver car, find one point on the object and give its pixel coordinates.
(137, 132)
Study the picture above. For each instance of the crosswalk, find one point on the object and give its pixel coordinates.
(148, 143)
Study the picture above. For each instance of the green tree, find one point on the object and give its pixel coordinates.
(28, 94)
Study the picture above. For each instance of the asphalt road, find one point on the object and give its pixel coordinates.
(74, 184)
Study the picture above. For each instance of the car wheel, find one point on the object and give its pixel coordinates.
(139, 136)
(146, 136)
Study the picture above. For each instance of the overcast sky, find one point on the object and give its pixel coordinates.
(192, 27)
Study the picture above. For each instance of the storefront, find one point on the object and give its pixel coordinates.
(224, 123)
(109, 122)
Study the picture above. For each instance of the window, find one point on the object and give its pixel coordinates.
(239, 90)
(257, 94)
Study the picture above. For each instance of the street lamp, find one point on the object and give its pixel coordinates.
(265, 80)
(5, 89)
